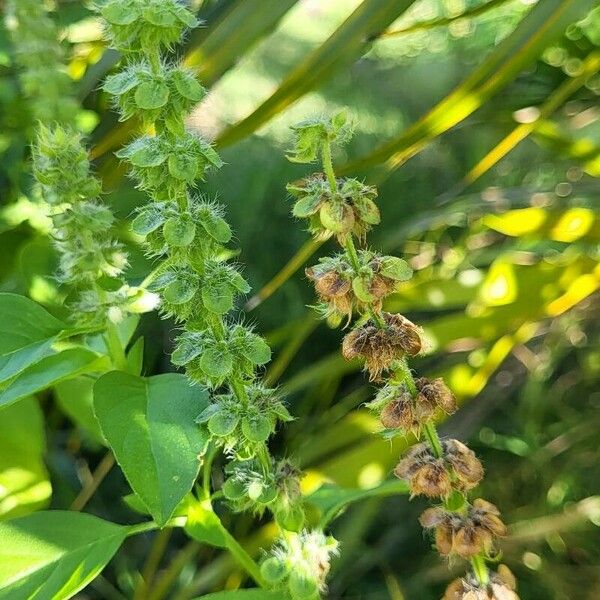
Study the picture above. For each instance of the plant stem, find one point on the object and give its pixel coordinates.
(151, 525)
(90, 487)
(434, 439)
(244, 559)
(480, 569)
(159, 545)
(115, 347)
(207, 469)
(328, 165)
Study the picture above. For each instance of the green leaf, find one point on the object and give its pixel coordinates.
(120, 83)
(187, 86)
(183, 166)
(151, 95)
(149, 424)
(341, 49)
(76, 399)
(179, 231)
(54, 554)
(216, 227)
(50, 371)
(218, 298)
(24, 481)
(540, 27)
(15, 362)
(204, 525)
(24, 322)
(216, 363)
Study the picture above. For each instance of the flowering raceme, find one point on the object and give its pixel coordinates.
(354, 284)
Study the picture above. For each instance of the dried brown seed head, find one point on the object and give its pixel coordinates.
(468, 588)
(437, 393)
(465, 534)
(466, 465)
(379, 348)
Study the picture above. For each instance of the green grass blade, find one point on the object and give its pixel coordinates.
(542, 25)
(344, 46)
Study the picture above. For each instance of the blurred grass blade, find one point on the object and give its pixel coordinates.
(243, 25)
(246, 22)
(344, 46)
(590, 66)
(303, 254)
(542, 25)
(583, 150)
(469, 13)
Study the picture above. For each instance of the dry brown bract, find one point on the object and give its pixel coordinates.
(501, 587)
(410, 414)
(433, 477)
(379, 348)
(465, 534)
(333, 289)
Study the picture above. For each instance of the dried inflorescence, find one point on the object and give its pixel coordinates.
(501, 586)
(358, 281)
(343, 292)
(466, 533)
(436, 477)
(400, 410)
(381, 347)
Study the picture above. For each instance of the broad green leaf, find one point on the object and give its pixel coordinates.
(50, 371)
(149, 424)
(54, 554)
(542, 25)
(24, 323)
(75, 398)
(12, 364)
(24, 481)
(256, 594)
(342, 48)
(332, 499)
(204, 525)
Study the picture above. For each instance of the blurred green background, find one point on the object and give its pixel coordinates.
(480, 123)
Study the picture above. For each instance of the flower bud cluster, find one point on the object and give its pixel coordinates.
(188, 234)
(91, 260)
(300, 563)
(342, 292)
(38, 53)
(357, 282)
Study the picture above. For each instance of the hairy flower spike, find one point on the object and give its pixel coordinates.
(356, 282)
(188, 233)
(43, 76)
(300, 563)
(91, 261)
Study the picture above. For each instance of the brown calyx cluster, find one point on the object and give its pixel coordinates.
(458, 469)
(501, 586)
(337, 290)
(465, 533)
(381, 347)
(410, 414)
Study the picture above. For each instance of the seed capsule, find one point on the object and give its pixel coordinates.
(434, 477)
(465, 534)
(500, 587)
(436, 393)
(380, 347)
